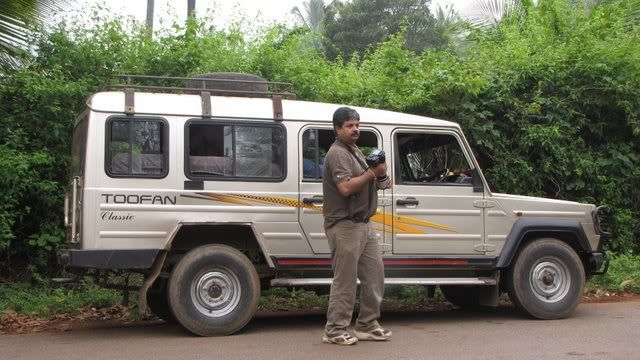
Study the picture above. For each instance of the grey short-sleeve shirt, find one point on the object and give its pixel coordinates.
(340, 165)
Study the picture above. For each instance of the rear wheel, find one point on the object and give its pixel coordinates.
(546, 280)
(214, 290)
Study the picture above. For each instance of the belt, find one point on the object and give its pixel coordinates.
(357, 220)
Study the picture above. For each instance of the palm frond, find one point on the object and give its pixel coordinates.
(489, 13)
(314, 13)
(296, 11)
(15, 17)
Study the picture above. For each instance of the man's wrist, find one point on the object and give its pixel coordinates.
(373, 175)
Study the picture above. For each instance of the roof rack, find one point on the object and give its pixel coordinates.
(274, 88)
(205, 86)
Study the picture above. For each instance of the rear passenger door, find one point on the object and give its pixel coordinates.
(436, 208)
(314, 142)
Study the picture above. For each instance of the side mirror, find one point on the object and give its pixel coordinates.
(478, 186)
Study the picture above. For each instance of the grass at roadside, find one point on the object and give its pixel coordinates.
(623, 276)
(47, 301)
(283, 299)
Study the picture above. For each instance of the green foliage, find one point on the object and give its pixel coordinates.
(45, 302)
(623, 275)
(352, 27)
(283, 299)
(549, 101)
(406, 293)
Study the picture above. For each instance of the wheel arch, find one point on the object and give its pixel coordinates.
(241, 236)
(526, 230)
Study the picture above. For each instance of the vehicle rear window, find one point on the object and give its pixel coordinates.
(136, 147)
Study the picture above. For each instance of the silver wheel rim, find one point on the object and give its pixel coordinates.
(550, 279)
(215, 292)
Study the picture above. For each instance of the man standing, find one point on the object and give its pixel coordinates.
(349, 189)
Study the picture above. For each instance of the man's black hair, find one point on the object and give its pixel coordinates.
(343, 114)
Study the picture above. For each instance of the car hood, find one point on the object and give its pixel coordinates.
(540, 206)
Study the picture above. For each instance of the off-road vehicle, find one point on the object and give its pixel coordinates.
(212, 187)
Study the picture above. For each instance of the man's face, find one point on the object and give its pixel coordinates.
(349, 132)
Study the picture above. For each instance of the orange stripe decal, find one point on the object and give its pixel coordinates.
(389, 222)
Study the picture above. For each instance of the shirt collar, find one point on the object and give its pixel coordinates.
(348, 146)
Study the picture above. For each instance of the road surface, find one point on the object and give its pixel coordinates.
(596, 331)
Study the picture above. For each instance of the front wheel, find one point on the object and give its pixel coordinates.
(546, 280)
(214, 290)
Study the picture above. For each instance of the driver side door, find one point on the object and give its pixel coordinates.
(436, 209)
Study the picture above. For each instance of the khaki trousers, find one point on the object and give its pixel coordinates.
(355, 254)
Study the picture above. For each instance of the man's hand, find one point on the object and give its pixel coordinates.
(380, 169)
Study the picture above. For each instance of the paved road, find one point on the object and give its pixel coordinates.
(596, 331)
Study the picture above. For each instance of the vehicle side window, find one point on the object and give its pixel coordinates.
(136, 148)
(431, 159)
(235, 151)
(316, 143)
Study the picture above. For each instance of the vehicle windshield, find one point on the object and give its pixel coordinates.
(432, 158)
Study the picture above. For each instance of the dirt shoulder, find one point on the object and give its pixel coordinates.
(120, 316)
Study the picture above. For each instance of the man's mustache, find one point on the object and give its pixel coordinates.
(355, 133)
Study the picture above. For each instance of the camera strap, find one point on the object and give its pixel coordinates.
(359, 160)
(364, 165)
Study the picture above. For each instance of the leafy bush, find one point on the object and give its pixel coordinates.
(548, 101)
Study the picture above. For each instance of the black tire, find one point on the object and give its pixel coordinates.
(462, 296)
(229, 290)
(546, 279)
(158, 302)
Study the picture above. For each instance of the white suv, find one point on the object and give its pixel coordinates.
(213, 188)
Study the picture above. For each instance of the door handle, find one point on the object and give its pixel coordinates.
(407, 201)
(312, 200)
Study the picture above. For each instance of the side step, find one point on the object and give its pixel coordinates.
(392, 281)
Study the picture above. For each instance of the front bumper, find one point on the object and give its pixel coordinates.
(108, 259)
(599, 262)
(601, 213)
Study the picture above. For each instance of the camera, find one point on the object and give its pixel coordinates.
(375, 157)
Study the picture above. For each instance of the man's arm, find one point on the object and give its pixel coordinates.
(355, 184)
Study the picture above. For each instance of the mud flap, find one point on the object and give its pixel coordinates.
(488, 295)
(153, 275)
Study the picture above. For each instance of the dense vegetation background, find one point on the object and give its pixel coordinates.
(549, 97)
